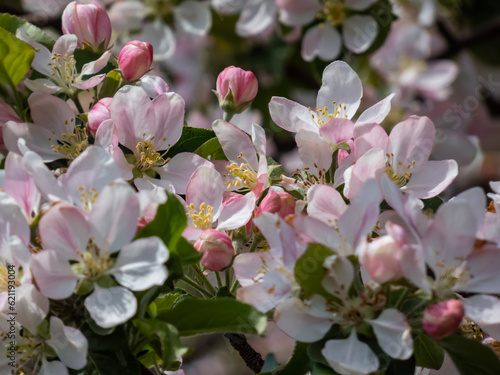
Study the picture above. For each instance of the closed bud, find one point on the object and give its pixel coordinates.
(383, 256)
(135, 59)
(90, 23)
(281, 203)
(217, 250)
(443, 319)
(98, 114)
(236, 89)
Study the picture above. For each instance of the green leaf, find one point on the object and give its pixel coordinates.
(194, 316)
(191, 139)
(15, 58)
(320, 369)
(298, 364)
(110, 85)
(11, 23)
(109, 355)
(428, 353)
(274, 169)
(211, 149)
(470, 356)
(309, 271)
(168, 224)
(163, 303)
(398, 367)
(432, 203)
(171, 345)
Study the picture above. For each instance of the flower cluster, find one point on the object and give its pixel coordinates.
(122, 228)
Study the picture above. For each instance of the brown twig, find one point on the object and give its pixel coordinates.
(252, 359)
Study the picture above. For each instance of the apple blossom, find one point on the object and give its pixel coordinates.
(236, 90)
(98, 114)
(443, 319)
(217, 249)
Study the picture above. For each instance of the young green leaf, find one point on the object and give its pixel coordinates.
(16, 57)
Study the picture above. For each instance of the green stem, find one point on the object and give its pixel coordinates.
(219, 281)
(196, 286)
(205, 280)
(227, 116)
(78, 104)
(235, 286)
(228, 277)
(255, 243)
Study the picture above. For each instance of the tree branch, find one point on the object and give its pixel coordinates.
(252, 359)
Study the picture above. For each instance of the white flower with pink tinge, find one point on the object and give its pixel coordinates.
(89, 241)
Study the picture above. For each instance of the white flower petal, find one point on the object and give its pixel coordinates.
(256, 17)
(485, 311)
(69, 343)
(110, 307)
(359, 32)
(321, 41)
(193, 17)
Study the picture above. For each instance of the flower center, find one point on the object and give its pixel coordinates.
(203, 218)
(93, 261)
(244, 175)
(333, 12)
(321, 115)
(148, 157)
(71, 145)
(64, 72)
(449, 279)
(28, 351)
(401, 175)
(88, 197)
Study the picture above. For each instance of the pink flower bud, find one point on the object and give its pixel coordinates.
(90, 23)
(281, 203)
(382, 257)
(217, 250)
(135, 59)
(443, 319)
(236, 89)
(98, 114)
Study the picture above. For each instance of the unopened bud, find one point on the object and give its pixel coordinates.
(135, 59)
(236, 89)
(90, 23)
(443, 319)
(98, 114)
(281, 203)
(383, 256)
(217, 250)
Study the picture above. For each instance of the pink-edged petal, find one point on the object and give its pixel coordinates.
(179, 170)
(133, 115)
(95, 66)
(321, 41)
(256, 17)
(114, 216)
(482, 271)
(169, 119)
(412, 140)
(291, 116)
(368, 136)
(393, 334)
(42, 85)
(139, 265)
(42, 55)
(206, 186)
(361, 216)
(110, 307)
(370, 165)
(43, 177)
(69, 343)
(431, 178)
(53, 274)
(377, 112)
(64, 228)
(235, 141)
(91, 82)
(12, 220)
(294, 318)
(19, 184)
(267, 293)
(485, 311)
(359, 32)
(153, 85)
(315, 153)
(237, 213)
(247, 265)
(65, 45)
(325, 203)
(341, 85)
(337, 130)
(350, 356)
(51, 112)
(32, 307)
(312, 230)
